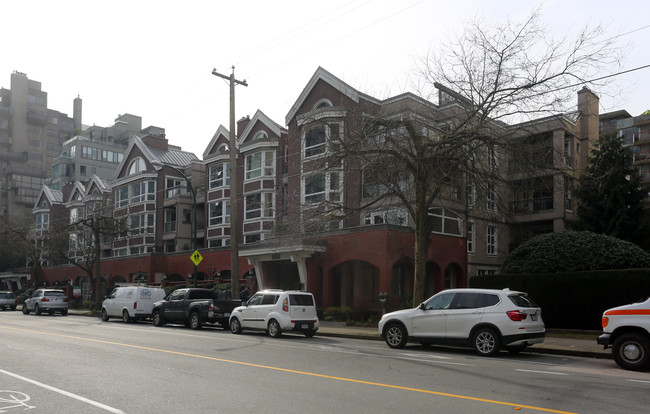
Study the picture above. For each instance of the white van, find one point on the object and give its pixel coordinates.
(131, 302)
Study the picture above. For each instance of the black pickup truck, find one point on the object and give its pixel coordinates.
(193, 307)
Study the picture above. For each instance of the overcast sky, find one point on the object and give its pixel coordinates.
(154, 58)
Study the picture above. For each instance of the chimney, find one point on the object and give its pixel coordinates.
(76, 114)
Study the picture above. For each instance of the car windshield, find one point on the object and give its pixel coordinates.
(301, 300)
(7, 295)
(522, 301)
(54, 293)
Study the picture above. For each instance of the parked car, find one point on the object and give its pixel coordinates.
(193, 307)
(626, 329)
(7, 300)
(131, 302)
(46, 300)
(277, 311)
(485, 319)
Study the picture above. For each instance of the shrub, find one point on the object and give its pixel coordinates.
(574, 251)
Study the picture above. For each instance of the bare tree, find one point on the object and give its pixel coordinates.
(80, 243)
(418, 155)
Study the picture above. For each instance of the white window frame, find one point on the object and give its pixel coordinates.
(395, 216)
(143, 191)
(491, 198)
(447, 215)
(220, 175)
(332, 191)
(266, 166)
(221, 212)
(471, 236)
(492, 240)
(122, 197)
(320, 148)
(263, 209)
(42, 221)
(137, 166)
(142, 223)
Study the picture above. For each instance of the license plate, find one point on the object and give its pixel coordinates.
(533, 317)
(226, 314)
(304, 326)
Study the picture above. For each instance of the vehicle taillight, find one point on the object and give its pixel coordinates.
(285, 305)
(135, 305)
(605, 321)
(516, 315)
(45, 300)
(211, 307)
(66, 300)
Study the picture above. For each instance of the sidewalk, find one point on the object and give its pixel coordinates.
(557, 342)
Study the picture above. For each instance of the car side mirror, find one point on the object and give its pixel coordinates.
(422, 306)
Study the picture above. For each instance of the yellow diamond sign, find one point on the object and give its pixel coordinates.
(196, 257)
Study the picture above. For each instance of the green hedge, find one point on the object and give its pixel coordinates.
(575, 300)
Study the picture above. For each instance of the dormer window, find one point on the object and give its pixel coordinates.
(223, 149)
(45, 204)
(323, 103)
(260, 135)
(137, 166)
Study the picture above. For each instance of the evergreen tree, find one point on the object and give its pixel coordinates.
(611, 195)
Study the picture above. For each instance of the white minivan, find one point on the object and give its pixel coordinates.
(131, 302)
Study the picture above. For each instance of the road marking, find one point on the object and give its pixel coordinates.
(541, 372)
(633, 380)
(62, 392)
(291, 371)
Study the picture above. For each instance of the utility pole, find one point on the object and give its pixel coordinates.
(234, 223)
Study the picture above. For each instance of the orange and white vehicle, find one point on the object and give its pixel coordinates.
(626, 329)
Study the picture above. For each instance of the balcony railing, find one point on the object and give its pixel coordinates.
(532, 205)
(170, 226)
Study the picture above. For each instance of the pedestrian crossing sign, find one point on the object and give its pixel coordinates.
(196, 257)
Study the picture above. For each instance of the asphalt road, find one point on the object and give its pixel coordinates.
(72, 364)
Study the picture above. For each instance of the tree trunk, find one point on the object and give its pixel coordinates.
(422, 242)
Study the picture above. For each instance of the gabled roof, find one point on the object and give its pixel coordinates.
(102, 185)
(77, 188)
(261, 117)
(170, 156)
(221, 131)
(52, 196)
(338, 84)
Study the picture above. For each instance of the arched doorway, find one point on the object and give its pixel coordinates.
(355, 284)
(454, 276)
(401, 281)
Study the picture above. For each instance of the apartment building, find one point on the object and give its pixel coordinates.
(95, 151)
(31, 136)
(289, 238)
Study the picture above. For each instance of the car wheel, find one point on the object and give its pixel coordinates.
(125, 316)
(631, 351)
(274, 329)
(396, 335)
(64, 312)
(25, 310)
(37, 309)
(486, 342)
(310, 333)
(235, 326)
(157, 318)
(104, 315)
(195, 320)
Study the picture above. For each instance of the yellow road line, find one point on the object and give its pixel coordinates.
(311, 374)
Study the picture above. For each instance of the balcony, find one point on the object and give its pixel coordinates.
(170, 227)
(531, 206)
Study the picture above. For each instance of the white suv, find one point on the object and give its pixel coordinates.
(276, 311)
(485, 319)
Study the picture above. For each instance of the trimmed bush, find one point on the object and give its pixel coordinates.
(574, 251)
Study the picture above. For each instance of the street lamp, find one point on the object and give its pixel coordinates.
(191, 187)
